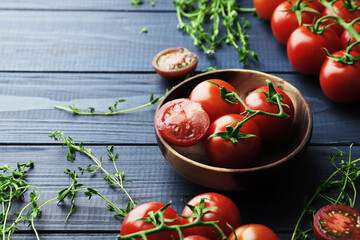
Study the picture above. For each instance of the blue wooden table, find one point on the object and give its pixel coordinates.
(91, 52)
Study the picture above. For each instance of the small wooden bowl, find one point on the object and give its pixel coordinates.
(274, 158)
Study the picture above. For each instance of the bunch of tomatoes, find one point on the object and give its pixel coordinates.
(231, 129)
(322, 39)
(220, 220)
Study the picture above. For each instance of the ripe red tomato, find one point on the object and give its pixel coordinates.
(270, 127)
(131, 225)
(346, 37)
(195, 237)
(222, 152)
(265, 8)
(253, 232)
(182, 122)
(342, 12)
(227, 212)
(341, 82)
(208, 95)
(337, 221)
(283, 23)
(305, 49)
(175, 63)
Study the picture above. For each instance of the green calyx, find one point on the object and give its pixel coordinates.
(228, 96)
(272, 96)
(233, 133)
(300, 7)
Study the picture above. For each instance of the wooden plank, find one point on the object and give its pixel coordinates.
(276, 204)
(95, 5)
(111, 41)
(27, 115)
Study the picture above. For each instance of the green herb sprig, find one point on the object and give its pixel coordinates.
(115, 180)
(112, 109)
(214, 11)
(338, 188)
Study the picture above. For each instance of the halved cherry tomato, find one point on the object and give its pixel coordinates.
(195, 237)
(182, 122)
(225, 212)
(223, 152)
(342, 12)
(337, 221)
(253, 232)
(265, 8)
(208, 95)
(305, 49)
(132, 224)
(270, 127)
(341, 82)
(284, 22)
(175, 63)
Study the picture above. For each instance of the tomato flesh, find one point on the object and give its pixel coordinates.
(175, 63)
(195, 237)
(337, 221)
(182, 122)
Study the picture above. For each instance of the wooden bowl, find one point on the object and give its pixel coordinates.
(274, 158)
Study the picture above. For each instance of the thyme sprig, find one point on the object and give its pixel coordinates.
(228, 11)
(338, 188)
(159, 221)
(112, 108)
(115, 180)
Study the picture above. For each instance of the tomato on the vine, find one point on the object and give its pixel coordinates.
(175, 63)
(195, 237)
(209, 96)
(284, 21)
(270, 127)
(253, 232)
(346, 38)
(223, 152)
(337, 221)
(182, 122)
(225, 212)
(132, 224)
(343, 13)
(339, 81)
(265, 8)
(305, 49)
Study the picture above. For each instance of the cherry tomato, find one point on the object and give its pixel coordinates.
(131, 225)
(270, 127)
(182, 122)
(175, 63)
(208, 95)
(253, 232)
(226, 212)
(195, 237)
(305, 49)
(283, 22)
(341, 82)
(222, 152)
(346, 37)
(337, 221)
(265, 8)
(342, 12)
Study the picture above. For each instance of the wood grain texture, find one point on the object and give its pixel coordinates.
(86, 41)
(27, 115)
(95, 5)
(276, 204)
